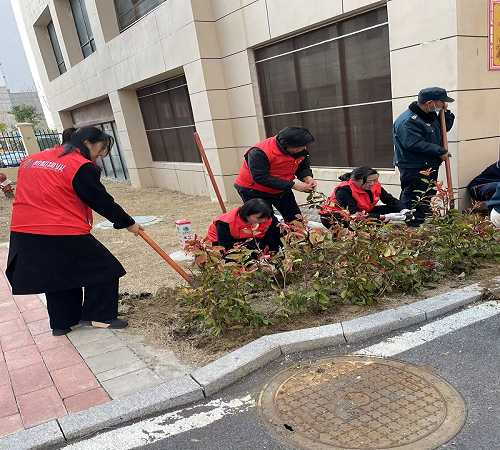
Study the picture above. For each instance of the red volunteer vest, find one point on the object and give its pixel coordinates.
(45, 201)
(238, 227)
(361, 197)
(281, 166)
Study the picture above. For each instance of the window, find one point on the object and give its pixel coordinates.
(168, 119)
(336, 82)
(55, 46)
(113, 164)
(83, 29)
(130, 11)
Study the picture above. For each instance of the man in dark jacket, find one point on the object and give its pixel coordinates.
(418, 146)
(483, 186)
(270, 168)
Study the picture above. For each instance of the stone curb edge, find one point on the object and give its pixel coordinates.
(226, 370)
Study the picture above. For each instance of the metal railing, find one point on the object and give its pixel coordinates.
(47, 138)
(12, 149)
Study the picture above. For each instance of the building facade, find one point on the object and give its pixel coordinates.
(237, 71)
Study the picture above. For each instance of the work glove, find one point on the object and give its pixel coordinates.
(395, 217)
(408, 213)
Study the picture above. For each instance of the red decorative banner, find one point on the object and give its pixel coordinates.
(494, 35)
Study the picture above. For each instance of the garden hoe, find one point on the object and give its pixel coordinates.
(167, 258)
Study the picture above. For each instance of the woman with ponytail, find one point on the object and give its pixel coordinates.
(51, 249)
(358, 191)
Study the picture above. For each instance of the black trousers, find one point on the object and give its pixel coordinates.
(100, 303)
(329, 219)
(411, 182)
(484, 192)
(285, 202)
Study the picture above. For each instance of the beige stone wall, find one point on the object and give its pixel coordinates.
(211, 42)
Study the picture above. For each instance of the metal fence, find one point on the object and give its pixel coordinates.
(47, 138)
(12, 149)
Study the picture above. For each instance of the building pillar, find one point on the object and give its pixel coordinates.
(28, 137)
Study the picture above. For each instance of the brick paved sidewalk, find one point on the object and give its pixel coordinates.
(42, 377)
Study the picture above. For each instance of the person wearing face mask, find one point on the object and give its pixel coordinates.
(360, 191)
(51, 249)
(275, 166)
(418, 146)
(254, 219)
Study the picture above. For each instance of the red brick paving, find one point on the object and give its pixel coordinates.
(38, 370)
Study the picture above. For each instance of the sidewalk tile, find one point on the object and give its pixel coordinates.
(46, 341)
(12, 326)
(73, 380)
(39, 327)
(22, 357)
(4, 374)
(9, 314)
(111, 360)
(24, 298)
(122, 370)
(5, 295)
(131, 382)
(29, 379)
(40, 406)
(95, 348)
(10, 424)
(86, 400)
(60, 357)
(27, 305)
(35, 314)
(16, 340)
(8, 406)
(84, 335)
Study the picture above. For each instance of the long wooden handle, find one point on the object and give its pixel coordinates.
(209, 170)
(167, 258)
(447, 166)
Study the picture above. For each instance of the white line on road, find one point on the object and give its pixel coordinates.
(428, 332)
(166, 425)
(186, 419)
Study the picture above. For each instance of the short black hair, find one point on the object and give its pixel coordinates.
(362, 172)
(294, 137)
(74, 139)
(255, 206)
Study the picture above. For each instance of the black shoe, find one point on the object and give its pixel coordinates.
(60, 331)
(115, 324)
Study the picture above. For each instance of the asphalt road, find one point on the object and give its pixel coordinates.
(467, 357)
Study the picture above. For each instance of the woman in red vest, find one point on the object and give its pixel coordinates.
(51, 248)
(254, 219)
(358, 191)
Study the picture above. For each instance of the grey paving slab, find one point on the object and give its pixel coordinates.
(83, 335)
(40, 437)
(119, 371)
(443, 303)
(383, 322)
(308, 338)
(152, 400)
(111, 360)
(90, 349)
(131, 382)
(235, 365)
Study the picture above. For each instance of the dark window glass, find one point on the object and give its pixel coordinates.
(168, 118)
(83, 29)
(55, 46)
(130, 11)
(113, 164)
(336, 82)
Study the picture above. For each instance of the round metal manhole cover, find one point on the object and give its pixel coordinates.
(143, 220)
(362, 402)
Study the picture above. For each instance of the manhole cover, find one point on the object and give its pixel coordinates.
(143, 220)
(362, 402)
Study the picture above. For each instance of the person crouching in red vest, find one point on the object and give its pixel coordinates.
(271, 167)
(51, 249)
(254, 219)
(358, 191)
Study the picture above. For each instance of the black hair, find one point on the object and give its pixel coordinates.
(294, 137)
(359, 173)
(255, 206)
(74, 138)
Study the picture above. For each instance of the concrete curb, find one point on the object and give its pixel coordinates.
(213, 377)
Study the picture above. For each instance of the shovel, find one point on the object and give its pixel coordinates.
(167, 258)
(447, 166)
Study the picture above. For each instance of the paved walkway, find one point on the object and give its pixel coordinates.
(43, 377)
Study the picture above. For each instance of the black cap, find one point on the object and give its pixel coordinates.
(434, 93)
